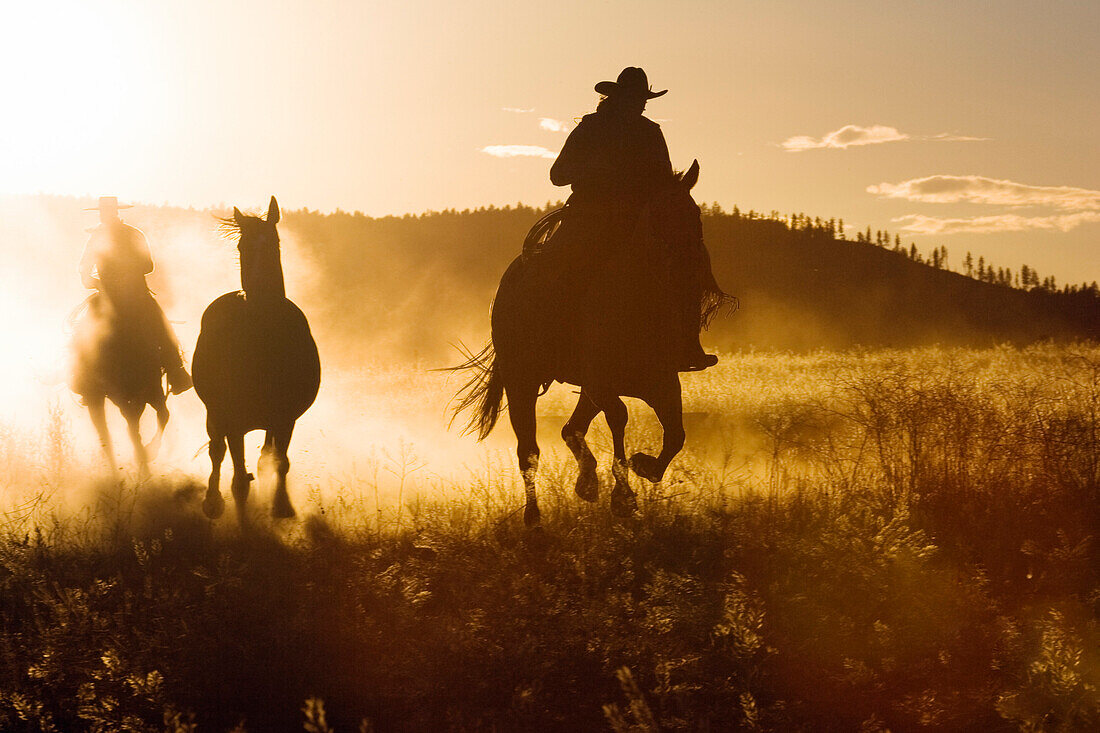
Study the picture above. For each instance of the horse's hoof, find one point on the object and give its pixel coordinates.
(213, 506)
(624, 502)
(531, 515)
(281, 508)
(647, 467)
(588, 485)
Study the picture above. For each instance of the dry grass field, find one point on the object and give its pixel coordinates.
(867, 540)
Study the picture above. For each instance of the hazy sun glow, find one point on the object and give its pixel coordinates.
(68, 66)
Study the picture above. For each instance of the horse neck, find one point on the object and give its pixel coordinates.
(662, 222)
(262, 277)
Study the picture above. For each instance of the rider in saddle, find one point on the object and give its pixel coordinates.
(615, 160)
(115, 261)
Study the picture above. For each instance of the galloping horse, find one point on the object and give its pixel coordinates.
(610, 353)
(256, 365)
(114, 358)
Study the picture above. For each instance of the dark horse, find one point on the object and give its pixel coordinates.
(610, 348)
(114, 358)
(256, 365)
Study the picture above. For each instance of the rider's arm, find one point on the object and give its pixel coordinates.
(575, 161)
(657, 154)
(87, 265)
(141, 247)
(664, 161)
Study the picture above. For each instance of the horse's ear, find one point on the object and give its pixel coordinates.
(238, 216)
(691, 177)
(273, 211)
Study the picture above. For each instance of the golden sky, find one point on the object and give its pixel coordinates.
(964, 123)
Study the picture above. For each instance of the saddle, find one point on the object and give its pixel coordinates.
(538, 239)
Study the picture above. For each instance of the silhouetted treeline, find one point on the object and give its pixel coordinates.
(413, 285)
(420, 282)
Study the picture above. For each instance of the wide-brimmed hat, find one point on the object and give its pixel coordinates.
(632, 82)
(109, 203)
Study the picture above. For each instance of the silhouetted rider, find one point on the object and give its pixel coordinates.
(615, 159)
(115, 261)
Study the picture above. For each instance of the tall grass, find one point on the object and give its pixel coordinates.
(860, 541)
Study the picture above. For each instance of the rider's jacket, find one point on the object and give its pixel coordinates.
(612, 158)
(116, 260)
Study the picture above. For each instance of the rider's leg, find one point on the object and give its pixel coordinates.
(690, 299)
(168, 347)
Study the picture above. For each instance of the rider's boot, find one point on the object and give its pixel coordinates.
(695, 359)
(178, 379)
(692, 356)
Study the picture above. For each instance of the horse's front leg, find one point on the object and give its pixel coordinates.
(242, 479)
(573, 432)
(97, 411)
(213, 505)
(521, 412)
(276, 445)
(132, 413)
(665, 400)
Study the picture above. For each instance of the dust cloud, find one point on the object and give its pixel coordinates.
(380, 416)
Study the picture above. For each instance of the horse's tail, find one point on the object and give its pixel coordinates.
(483, 393)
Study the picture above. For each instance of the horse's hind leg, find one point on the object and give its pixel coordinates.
(521, 412)
(214, 505)
(281, 507)
(98, 414)
(242, 479)
(573, 432)
(666, 402)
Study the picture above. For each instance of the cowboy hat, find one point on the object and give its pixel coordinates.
(109, 203)
(632, 82)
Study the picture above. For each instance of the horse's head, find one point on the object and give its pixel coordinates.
(258, 245)
(675, 217)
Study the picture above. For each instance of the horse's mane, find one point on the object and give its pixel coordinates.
(229, 228)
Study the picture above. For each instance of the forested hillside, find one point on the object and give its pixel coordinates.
(422, 281)
(411, 286)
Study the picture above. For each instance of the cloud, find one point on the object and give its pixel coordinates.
(920, 224)
(519, 151)
(846, 137)
(953, 138)
(851, 136)
(519, 110)
(552, 125)
(942, 189)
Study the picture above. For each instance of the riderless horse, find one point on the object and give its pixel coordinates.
(256, 366)
(614, 349)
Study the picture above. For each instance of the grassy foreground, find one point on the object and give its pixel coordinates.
(893, 540)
